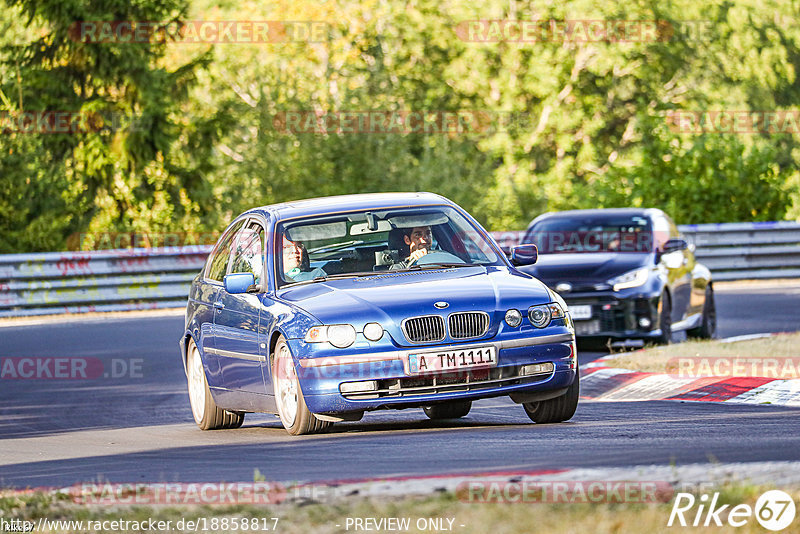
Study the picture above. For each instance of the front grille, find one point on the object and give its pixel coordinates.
(468, 324)
(428, 328)
(465, 381)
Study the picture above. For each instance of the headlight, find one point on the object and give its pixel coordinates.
(630, 279)
(513, 318)
(539, 315)
(373, 331)
(338, 335)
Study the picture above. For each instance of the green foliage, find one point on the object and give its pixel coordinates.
(589, 126)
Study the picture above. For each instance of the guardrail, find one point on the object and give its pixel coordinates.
(107, 280)
(137, 279)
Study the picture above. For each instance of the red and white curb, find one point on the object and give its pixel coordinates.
(602, 383)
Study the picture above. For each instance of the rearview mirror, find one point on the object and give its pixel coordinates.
(524, 254)
(238, 282)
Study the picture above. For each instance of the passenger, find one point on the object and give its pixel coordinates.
(296, 264)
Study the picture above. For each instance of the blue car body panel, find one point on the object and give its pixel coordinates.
(235, 333)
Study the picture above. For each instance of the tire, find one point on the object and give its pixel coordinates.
(295, 415)
(555, 410)
(450, 410)
(205, 411)
(665, 319)
(708, 326)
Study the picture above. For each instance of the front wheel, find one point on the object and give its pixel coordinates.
(555, 410)
(664, 319)
(450, 410)
(297, 419)
(205, 411)
(708, 326)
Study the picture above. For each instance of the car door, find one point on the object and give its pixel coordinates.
(237, 315)
(208, 292)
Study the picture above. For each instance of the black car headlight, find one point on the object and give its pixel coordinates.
(634, 278)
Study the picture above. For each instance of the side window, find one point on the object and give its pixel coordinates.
(248, 251)
(218, 263)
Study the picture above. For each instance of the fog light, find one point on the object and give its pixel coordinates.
(358, 387)
(537, 369)
(644, 322)
(513, 318)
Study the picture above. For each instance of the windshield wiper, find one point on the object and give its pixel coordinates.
(438, 265)
(337, 276)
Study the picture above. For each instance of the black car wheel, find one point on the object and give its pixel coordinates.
(555, 410)
(450, 410)
(665, 319)
(708, 326)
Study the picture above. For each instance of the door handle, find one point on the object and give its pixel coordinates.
(219, 305)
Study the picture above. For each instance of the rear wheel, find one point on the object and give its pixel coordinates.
(555, 410)
(449, 410)
(708, 326)
(297, 419)
(205, 411)
(664, 319)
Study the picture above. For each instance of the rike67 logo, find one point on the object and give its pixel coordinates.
(774, 510)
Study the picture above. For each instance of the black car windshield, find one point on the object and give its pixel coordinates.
(592, 233)
(370, 242)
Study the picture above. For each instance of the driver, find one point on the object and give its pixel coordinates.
(419, 240)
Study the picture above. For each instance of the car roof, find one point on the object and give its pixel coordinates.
(644, 212)
(322, 205)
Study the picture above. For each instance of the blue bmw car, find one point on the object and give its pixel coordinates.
(320, 310)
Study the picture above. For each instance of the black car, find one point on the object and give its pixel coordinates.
(625, 273)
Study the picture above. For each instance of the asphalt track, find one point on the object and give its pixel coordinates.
(138, 427)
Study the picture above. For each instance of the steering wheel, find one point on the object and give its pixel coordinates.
(436, 256)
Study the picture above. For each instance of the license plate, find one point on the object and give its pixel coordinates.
(450, 360)
(587, 328)
(580, 312)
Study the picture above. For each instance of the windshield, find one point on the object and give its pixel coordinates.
(576, 234)
(371, 242)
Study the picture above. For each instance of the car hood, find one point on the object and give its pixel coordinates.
(392, 297)
(596, 267)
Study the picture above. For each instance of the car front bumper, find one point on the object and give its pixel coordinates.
(613, 316)
(324, 381)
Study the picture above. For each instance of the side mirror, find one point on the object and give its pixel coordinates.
(238, 282)
(673, 245)
(524, 254)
